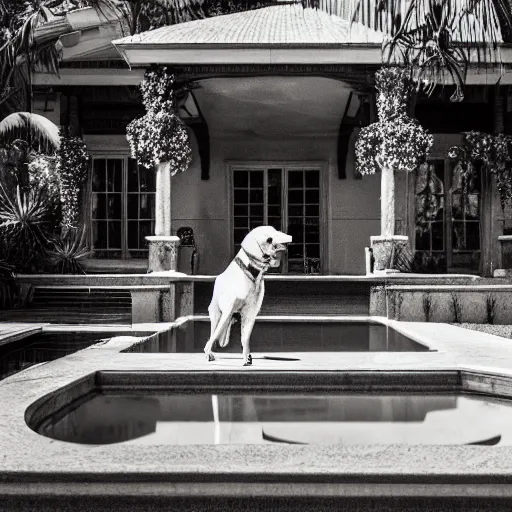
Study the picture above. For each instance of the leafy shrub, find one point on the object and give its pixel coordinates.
(24, 226)
(67, 251)
(72, 167)
(160, 135)
(396, 141)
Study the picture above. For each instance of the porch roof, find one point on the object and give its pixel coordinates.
(288, 24)
(277, 34)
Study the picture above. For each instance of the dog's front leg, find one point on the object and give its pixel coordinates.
(249, 314)
(246, 328)
(214, 313)
(219, 329)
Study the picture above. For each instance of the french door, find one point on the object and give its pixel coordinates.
(122, 207)
(448, 217)
(287, 198)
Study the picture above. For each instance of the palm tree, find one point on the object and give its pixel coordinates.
(436, 39)
(27, 125)
(28, 133)
(20, 54)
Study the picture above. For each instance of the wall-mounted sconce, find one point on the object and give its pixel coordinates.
(188, 109)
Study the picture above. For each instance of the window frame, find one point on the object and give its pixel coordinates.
(125, 251)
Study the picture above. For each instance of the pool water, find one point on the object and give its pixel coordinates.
(266, 418)
(37, 348)
(286, 336)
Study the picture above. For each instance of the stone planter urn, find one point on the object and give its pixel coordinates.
(163, 247)
(384, 248)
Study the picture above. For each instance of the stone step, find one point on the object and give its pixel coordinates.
(69, 315)
(80, 297)
(75, 306)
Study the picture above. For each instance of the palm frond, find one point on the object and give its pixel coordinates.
(22, 124)
(23, 220)
(20, 54)
(437, 39)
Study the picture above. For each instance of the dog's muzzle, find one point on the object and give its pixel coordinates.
(280, 249)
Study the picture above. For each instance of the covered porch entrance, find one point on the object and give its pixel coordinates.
(280, 153)
(273, 91)
(273, 132)
(273, 144)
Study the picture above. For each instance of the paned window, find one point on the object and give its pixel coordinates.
(287, 199)
(448, 216)
(122, 208)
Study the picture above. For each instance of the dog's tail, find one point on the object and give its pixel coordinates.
(225, 337)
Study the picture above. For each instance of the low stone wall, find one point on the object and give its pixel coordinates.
(482, 303)
(156, 297)
(165, 296)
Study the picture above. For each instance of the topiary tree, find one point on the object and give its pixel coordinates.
(159, 137)
(159, 140)
(395, 143)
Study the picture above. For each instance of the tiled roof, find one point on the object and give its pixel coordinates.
(275, 25)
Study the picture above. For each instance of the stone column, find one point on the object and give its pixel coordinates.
(163, 247)
(387, 202)
(387, 246)
(493, 246)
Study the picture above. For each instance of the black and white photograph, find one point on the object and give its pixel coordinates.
(255, 255)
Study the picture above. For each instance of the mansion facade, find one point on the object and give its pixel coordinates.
(273, 100)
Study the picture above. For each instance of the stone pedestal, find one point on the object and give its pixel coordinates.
(385, 249)
(163, 253)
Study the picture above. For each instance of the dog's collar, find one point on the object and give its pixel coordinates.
(245, 255)
(252, 271)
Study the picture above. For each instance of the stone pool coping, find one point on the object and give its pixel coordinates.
(34, 465)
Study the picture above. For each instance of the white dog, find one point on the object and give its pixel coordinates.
(240, 288)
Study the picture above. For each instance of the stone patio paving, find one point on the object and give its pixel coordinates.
(62, 468)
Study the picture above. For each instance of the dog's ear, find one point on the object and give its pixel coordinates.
(269, 240)
(251, 246)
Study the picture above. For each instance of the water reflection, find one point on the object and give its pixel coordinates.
(258, 419)
(287, 336)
